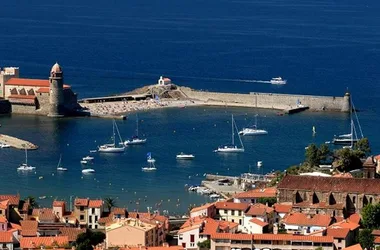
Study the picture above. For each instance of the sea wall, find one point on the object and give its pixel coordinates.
(270, 100)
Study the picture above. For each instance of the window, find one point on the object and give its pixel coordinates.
(1, 211)
(339, 240)
(96, 218)
(93, 210)
(192, 238)
(81, 217)
(81, 208)
(180, 237)
(354, 200)
(239, 213)
(90, 226)
(239, 221)
(225, 211)
(233, 220)
(90, 219)
(96, 226)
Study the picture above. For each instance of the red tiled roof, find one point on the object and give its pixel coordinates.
(231, 206)
(282, 208)
(376, 232)
(58, 203)
(269, 192)
(319, 205)
(3, 219)
(13, 199)
(206, 206)
(258, 222)
(377, 240)
(30, 97)
(36, 242)
(29, 227)
(45, 214)
(71, 232)
(28, 82)
(47, 89)
(154, 248)
(193, 221)
(338, 232)
(149, 216)
(346, 224)
(4, 204)
(280, 237)
(302, 219)
(328, 184)
(6, 237)
(118, 210)
(95, 203)
(355, 218)
(15, 226)
(81, 202)
(259, 209)
(354, 247)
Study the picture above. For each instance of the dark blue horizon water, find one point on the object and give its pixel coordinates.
(320, 47)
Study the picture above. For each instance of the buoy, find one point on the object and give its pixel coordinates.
(68, 144)
(110, 183)
(41, 177)
(173, 131)
(214, 125)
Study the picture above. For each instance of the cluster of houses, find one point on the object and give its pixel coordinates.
(307, 212)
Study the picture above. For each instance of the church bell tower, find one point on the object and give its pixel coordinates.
(56, 100)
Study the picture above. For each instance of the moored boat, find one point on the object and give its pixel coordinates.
(183, 156)
(232, 148)
(278, 81)
(88, 171)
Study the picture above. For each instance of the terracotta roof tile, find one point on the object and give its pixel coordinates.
(28, 82)
(328, 184)
(95, 203)
(81, 202)
(149, 216)
(119, 210)
(29, 227)
(4, 204)
(376, 232)
(232, 206)
(3, 219)
(206, 206)
(6, 237)
(15, 226)
(58, 203)
(354, 247)
(155, 248)
(269, 192)
(343, 175)
(281, 237)
(302, 219)
(377, 240)
(259, 209)
(44, 214)
(346, 224)
(71, 232)
(355, 218)
(337, 232)
(258, 222)
(36, 242)
(13, 199)
(282, 208)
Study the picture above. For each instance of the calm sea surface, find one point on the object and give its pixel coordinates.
(107, 47)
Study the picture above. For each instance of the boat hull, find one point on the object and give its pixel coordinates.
(111, 150)
(253, 132)
(135, 142)
(183, 157)
(344, 141)
(230, 150)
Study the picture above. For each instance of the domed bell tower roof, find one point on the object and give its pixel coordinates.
(56, 68)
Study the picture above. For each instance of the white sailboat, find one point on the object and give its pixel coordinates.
(149, 168)
(112, 147)
(135, 140)
(232, 148)
(149, 158)
(59, 166)
(253, 130)
(88, 171)
(349, 139)
(25, 166)
(183, 156)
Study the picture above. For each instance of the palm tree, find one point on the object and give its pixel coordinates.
(32, 202)
(110, 203)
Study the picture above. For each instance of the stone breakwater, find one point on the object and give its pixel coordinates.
(269, 100)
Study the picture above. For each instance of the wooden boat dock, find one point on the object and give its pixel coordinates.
(17, 143)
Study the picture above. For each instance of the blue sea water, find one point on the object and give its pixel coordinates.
(107, 47)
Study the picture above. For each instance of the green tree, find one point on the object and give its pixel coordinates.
(110, 203)
(266, 200)
(347, 159)
(366, 238)
(371, 216)
(32, 202)
(278, 177)
(312, 155)
(97, 238)
(88, 239)
(204, 244)
(324, 152)
(362, 145)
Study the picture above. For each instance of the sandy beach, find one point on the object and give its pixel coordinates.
(125, 107)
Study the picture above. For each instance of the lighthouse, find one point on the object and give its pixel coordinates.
(56, 99)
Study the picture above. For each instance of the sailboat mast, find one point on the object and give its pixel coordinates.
(26, 156)
(137, 126)
(232, 127)
(113, 130)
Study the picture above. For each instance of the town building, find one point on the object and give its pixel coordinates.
(299, 223)
(345, 233)
(226, 241)
(281, 210)
(207, 210)
(88, 212)
(130, 232)
(164, 81)
(326, 195)
(35, 96)
(258, 219)
(254, 195)
(6, 240)
(230, 211)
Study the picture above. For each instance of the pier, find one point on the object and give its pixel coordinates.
(17, 143)
(116, 98)
(294, 110)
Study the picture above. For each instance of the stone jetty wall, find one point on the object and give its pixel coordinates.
(270, 100)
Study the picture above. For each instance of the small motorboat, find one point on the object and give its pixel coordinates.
(88, 158)
(88, 171)
(25, 167)
(42, 197)
(93, 151)
(183, 156)
(148, 169)
(84, 162)
(214, 196)
(278, 81)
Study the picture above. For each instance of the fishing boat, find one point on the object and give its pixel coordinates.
(149, 158)
(59, 166)
(183, 156)
(88, 171)
(25, 166)
(112, 147)
(348, 140)
(278, 81)
(135, 140)
(232, 148)
(88, 158)
(253, 130)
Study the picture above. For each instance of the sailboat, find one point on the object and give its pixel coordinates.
(25, 166)
(231, 148)
(135, 140)
(149, 158)
(149, 168)
(349, 139)
(112, 147)
(59, 166)
(253, 130)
